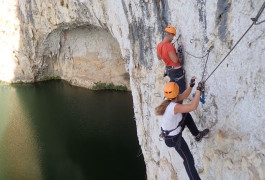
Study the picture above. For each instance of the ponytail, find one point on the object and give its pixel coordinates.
(160, 110)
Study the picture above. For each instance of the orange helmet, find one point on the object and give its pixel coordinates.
(171, 90)
(171, 30)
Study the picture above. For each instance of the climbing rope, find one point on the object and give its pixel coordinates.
(202, 95)
(258, 15)
(177, 40)
(209, 50)
(254, 23)
(198, 57)
(205, 65)
(260, 22)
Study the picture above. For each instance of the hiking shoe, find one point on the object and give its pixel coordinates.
(201, 134)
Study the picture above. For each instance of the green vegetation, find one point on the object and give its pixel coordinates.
(97, 85)
(4, 83)
(108, 86)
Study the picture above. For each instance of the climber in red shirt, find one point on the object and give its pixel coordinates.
(167, 52)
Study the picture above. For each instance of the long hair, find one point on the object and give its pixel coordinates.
(160, 110)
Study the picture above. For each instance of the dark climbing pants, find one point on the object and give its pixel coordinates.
(189, 122)
(178, 76)
(182, 148)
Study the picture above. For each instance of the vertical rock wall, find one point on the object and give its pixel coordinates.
(86, 55)
(235, 100)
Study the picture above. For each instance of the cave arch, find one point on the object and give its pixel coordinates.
(83, 56)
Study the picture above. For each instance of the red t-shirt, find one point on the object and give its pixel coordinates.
(163, 49)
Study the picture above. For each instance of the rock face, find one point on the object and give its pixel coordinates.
(86, 55)
(78, 39)
(58, 39)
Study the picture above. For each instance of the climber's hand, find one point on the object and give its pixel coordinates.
(201, 86)
(180, 49)
(192, 81)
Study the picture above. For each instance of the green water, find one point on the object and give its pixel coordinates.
(55, 131)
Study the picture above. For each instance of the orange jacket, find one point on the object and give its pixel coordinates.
(163, 49)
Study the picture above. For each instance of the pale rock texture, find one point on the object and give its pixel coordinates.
(92, 40)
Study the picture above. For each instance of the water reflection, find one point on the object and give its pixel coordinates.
(55, 131)
(19, 152)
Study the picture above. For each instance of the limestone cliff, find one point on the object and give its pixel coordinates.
(76, 39)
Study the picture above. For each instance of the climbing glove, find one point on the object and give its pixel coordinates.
(201, 86)
(192, 82)
(180, 49)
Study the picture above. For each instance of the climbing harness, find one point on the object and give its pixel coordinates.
(178, 78)
(179, 70)
(254, 23)
(164, 133)
(181, 60)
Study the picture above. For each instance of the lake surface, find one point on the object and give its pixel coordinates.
(54, 131)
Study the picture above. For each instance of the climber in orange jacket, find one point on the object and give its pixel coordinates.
(167, 52)
(175, 117)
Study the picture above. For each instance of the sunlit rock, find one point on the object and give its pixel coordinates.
(48, 39)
